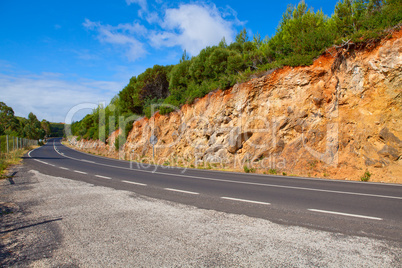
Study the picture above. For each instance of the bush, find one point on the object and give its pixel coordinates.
(366, 176)
(249, 170)
(119, 142)
(272, 171)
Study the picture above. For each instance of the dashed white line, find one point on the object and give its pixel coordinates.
(181, 191)
(64, 168)
(103, 177)
(51, 165)
(346, 214)
(135, 183)
(245, 200)
(80, 172)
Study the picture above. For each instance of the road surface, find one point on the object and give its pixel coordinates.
(353, 208)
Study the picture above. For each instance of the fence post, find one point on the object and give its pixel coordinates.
(7, 142)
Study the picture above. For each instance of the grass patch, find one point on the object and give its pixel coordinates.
(9, 159)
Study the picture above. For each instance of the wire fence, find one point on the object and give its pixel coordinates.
(10, 143)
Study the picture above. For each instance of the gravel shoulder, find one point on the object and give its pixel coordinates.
(50, 221)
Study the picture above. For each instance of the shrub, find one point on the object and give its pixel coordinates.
(272, 171)
(248, 170)
(119, 142)
(366, 176)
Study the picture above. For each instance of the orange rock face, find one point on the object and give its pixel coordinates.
(336, 119)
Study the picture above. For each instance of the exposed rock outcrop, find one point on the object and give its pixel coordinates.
(336, 118)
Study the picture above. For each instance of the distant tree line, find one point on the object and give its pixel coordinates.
(30, 128)
(302, 35)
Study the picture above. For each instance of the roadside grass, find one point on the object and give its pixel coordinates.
(10, 159)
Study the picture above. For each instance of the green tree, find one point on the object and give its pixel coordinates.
(235, 63)
(302, 35)
(33, 129)
(130, 96)
(242, 36)
(217, 62)
(45, 125)
(8, 122)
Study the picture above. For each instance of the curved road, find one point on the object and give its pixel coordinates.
(354, 208)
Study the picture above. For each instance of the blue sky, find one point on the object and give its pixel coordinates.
(55, 55)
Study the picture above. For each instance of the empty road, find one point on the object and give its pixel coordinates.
(354, 208)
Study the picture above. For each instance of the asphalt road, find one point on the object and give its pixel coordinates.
(353, 208)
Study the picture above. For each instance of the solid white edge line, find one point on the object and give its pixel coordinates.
(245, 200)
(246, 183)
(103, 177)
(180, 191)
(88, 161)
(81, 172)
(346, 214)
(135, 183)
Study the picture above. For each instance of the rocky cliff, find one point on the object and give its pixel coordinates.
(338, 118)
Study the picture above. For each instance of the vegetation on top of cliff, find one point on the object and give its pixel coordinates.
(301, 36)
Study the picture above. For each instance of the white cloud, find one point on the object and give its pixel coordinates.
(190, 26)
(153, 17)
(122, 35)
(142, 3)
(193, 27)
(50, 95)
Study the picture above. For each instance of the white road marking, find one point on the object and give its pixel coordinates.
(245, 200)
(346, 214)
(180, 191)
(246, 183)
(135, 183)
(80, 172)
(92, 162)
(64, 168)
(103, 177)
(51, 165)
